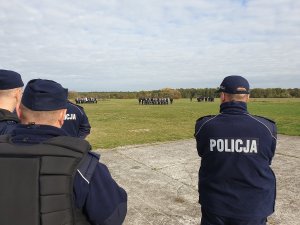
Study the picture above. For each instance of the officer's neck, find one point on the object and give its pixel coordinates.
(7, 105)
(227, 100)
(11, 100)
(28, 122)
(234, 107)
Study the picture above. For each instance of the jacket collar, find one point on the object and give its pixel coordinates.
(35, 134)
(234, 107)
(7, 115)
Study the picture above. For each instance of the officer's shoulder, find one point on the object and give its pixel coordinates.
(88, 166)
(72, 107)
(69, 142)
(94, 155)
(89, 159)
(205, 118)
(264, 118)
(73, 104)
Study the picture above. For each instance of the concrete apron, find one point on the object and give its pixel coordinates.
(161, 181)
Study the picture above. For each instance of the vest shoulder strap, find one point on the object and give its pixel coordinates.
(88, 166)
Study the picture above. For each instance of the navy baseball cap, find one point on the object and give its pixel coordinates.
(234, 84)
(10, 80)
(44, 95)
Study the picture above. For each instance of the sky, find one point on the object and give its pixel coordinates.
(133, 45)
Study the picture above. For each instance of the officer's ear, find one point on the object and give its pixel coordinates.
(61, 118)
(19, 111)
(222, 97)
(19, 94)
(16, 95)
(248, 97)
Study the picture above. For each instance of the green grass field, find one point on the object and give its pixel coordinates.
(125, 122)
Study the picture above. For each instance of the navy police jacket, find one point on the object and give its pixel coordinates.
(76, 122)
(8, 121)
(95, 191)
(236, 150)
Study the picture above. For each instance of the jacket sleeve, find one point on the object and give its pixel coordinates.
(274, 141)
(84, 126)
(101, 199)
(198, 135)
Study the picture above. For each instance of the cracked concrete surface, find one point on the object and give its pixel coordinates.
(161, 181)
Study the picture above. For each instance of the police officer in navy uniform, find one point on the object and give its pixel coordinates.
(10, 95)
(236, 183)
(76, 122)
(49, 178)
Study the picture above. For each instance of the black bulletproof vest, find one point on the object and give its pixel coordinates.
(37, 182)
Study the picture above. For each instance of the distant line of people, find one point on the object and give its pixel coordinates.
(155, 101)
(85, 100)
(205, 99)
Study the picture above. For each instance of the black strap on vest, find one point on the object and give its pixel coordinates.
(37, 182)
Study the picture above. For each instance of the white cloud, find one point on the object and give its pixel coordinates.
(134, 45)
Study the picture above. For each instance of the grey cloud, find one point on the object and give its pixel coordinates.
(132, 45)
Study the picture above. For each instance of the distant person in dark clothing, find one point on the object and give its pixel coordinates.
(236, 183)
(10, 96)
(76, 122)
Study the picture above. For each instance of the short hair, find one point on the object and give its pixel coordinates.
(236, 97)
(8, 92)
(39, 117)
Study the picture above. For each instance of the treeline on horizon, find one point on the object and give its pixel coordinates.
(186, 93)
